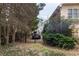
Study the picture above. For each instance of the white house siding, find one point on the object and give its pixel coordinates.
(65, 7)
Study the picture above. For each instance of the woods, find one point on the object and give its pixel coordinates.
(16, 21)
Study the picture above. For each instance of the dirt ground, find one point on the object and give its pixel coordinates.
(38, 46)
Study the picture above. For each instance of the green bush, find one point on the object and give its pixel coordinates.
(59, 40)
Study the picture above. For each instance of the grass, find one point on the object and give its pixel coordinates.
(35, 49)
(30, 49)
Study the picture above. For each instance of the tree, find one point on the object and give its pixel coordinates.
(35, 21)
(20, 19)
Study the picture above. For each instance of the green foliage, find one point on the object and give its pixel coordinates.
(34, 24)
(41, 6)
(45, 29)
(60, 26)
(59, 40)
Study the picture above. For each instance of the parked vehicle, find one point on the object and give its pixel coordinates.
(35, 36)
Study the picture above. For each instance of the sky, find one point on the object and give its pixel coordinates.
(48, 10)
(46, 13)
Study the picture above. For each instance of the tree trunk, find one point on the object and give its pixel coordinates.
(13, 35)
(0, 34)
(7, 34)
(25, 38)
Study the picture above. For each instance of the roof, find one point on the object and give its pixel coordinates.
(70, 4)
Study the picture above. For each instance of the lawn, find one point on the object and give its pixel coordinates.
(35, 49)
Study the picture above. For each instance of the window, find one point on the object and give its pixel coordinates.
(73, 13)
(69, 13)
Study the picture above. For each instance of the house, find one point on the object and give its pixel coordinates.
(67, 11)
(63, 14)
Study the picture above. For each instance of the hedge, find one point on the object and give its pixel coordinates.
(58, 40)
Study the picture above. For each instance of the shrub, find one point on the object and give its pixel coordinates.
(58, 40)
